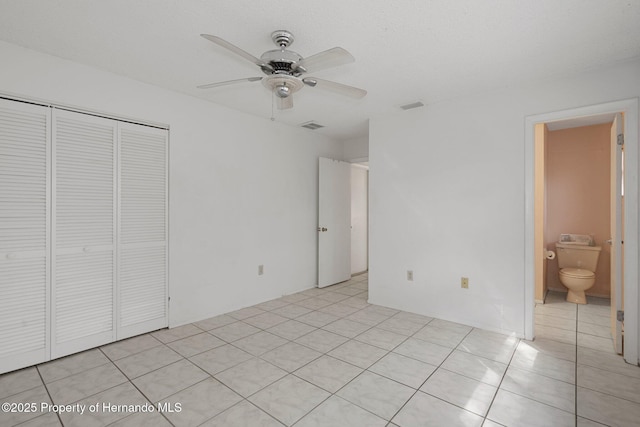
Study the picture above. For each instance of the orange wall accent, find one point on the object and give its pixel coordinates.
(577, 188)
(539, 212)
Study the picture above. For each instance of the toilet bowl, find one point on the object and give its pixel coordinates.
(577, 280)
(577, 261)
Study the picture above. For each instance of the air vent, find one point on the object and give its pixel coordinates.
(412, 105)
(312, 125)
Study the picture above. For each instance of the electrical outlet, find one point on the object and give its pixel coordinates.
(410, 275)
(260, 270)
(464, 282)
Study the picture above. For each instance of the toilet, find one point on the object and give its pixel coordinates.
(577, 260)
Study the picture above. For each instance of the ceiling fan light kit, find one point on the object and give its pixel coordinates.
(282, 85)
(283, 69)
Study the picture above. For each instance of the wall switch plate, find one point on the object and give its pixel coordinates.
(260, 270)
(410, 275)
(464, 282)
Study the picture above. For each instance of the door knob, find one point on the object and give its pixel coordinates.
(610, 241)
(322, 229)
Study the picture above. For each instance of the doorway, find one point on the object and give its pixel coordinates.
(359, 217)
(343, 220)
(579, 177)
(536, 247)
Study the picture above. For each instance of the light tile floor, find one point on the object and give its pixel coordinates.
(325, 357)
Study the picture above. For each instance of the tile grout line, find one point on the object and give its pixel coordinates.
(576, 363)
(48, 393)
(592, 367)
(265, 330)
(365, 369)
(388, 352)
(331, 394)
(502, 379)
(353, 379)
(244, 399)
(430, 375)
(135, 386)
(292, 373)
(575, 373)
(94, 394)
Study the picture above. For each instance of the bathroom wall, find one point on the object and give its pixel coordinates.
(577, 189)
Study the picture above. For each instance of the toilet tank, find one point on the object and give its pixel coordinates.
(571, 255)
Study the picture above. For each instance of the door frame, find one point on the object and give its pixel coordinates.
(630, 109)
(616, 220)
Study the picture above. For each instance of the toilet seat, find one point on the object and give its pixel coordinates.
(577, 273)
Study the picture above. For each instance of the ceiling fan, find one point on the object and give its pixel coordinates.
(285, 69)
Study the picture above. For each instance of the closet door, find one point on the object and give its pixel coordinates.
(142, 287)
(24, 234)
(84, 224)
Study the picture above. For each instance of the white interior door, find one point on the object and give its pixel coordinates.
(142, 244)
(617, 279)
(334, 222)
(24, 234)
(83, 238)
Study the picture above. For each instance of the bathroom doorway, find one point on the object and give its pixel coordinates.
(574, 212)
(580, 181)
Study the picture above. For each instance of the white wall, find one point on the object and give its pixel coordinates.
(243, 190)
(447, 187)
(356, 149)
(359, 219)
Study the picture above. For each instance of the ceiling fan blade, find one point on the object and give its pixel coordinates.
(229, 82)
(235, 49)
(327, 59)
(284, 103)
(339, 88)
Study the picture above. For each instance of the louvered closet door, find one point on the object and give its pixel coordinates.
(24, 234)
(142, 288)
(84, 224)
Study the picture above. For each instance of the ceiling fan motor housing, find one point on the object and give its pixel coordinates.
(281, 62)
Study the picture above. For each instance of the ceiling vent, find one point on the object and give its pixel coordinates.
(412, 105)
(312, 125)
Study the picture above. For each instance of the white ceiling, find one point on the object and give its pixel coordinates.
(405, 50)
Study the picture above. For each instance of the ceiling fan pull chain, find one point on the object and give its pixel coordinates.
(273, 100)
